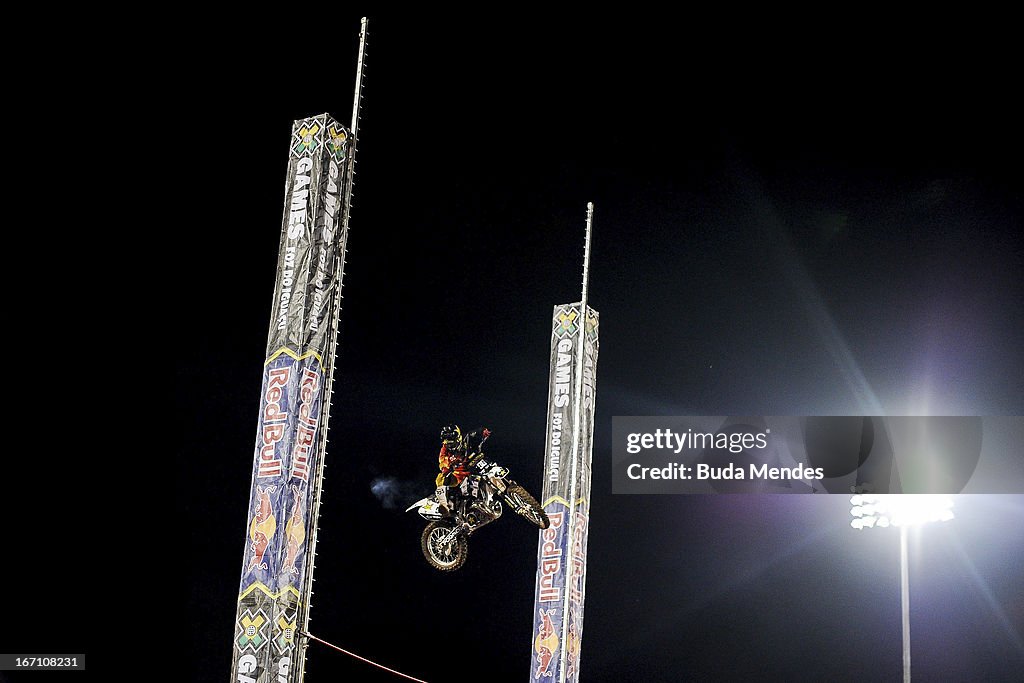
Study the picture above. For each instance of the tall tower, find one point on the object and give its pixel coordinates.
(562, 548)
(298, 375)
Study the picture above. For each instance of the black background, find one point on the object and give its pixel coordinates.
(787, 221)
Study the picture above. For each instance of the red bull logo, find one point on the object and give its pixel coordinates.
(273, 423)
(551, 559)
(545, 645)
(305, 434)
(294, 531)
(263, 526)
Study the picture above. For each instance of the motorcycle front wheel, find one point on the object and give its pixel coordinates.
(520, 500)
(443, 557)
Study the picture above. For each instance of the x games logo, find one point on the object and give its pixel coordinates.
(336, 140)
(565, 322)
(308, 137)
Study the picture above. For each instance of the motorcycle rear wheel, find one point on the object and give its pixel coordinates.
(520, 500)
(443, 558)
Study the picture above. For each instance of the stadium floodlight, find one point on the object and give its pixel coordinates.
(899, 510)
(903, 511)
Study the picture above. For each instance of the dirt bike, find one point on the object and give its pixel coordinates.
(445, 540)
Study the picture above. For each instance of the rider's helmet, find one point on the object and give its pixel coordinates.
(451, 435)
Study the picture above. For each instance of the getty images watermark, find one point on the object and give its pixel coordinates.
(817, 454)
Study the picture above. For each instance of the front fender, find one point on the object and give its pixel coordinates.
(419, 503)
(428, 508)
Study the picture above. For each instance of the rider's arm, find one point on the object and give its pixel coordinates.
(475, 441)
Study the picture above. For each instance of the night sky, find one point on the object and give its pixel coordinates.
(784, 225)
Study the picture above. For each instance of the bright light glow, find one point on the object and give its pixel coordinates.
(899, 510)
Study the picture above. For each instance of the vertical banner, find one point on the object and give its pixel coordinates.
(562, 548)
(292, 407)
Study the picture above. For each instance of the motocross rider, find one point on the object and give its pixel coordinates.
(459, 452)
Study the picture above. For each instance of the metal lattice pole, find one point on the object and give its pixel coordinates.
(350, 172)
(578, 412)
(905, 603)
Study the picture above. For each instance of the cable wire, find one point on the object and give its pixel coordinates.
(362, 659)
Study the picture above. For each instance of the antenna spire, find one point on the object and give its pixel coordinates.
(586, 256)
